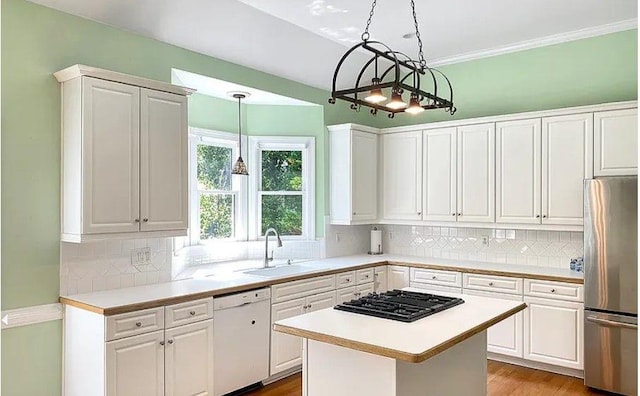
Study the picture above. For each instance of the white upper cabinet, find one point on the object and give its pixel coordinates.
(103, 157)
(616, 142)
(567, 144)
(402, 176)
(124, 156)
(439, 182)
(476, 173)
(164, 161)
(518, 179)
(353, 169)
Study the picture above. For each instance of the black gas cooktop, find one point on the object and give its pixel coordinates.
(405, 306)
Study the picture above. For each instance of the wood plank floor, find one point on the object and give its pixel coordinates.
(502, 380)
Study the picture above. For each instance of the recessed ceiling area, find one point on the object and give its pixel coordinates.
(303, 40)
(219, 89)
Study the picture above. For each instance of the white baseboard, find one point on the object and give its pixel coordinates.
(31, 315)
(536, 365)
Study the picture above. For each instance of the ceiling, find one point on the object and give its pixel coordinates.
(302, 40)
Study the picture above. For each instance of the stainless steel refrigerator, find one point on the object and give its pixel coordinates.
(611, 284)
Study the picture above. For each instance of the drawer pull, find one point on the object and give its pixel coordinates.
(162, 343)
(305, 306)
(192, 313)
(490, 283)
(138, 324)
(309, 306)
(348, 279)
(434, 277)
(553, 290)
(366, 276)
(170, 342)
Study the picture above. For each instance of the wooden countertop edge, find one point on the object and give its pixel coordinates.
(393, 353)
(268, 282)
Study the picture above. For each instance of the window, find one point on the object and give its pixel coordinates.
(215, 194)
(284, 185)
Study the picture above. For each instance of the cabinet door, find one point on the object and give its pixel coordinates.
(476, 173)
(286, 350)
(518, 169)
(439, 183)
(110, 156)
(380, 279)
(402, 176)
(567, 144)
(364, 180)
(135, 365)
(553, 332)
(397, 277)
(321, 301)
(189, 359)
(163, 161)
(616, 142)
(504, 337)
(346, 294)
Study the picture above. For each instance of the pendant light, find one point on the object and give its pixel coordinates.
(239, 168)
(398, 74)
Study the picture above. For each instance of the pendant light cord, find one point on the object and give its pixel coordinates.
(365, 35)
(239, 127)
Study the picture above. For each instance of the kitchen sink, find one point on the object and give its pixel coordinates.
(284, 270)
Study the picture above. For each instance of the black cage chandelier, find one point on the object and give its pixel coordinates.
(395, 73)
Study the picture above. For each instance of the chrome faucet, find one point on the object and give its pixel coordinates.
(267, 259)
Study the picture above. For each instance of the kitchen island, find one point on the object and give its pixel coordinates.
(444, 354)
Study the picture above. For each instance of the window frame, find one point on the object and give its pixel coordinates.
(305, 144)
(238, 190)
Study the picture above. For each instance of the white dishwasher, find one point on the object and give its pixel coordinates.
(241, 333)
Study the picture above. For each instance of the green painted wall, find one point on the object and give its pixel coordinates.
(37, 41)
(583, 72)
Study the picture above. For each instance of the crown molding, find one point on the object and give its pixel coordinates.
(539, 42)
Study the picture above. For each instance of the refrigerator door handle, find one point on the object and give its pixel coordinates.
(612, 323)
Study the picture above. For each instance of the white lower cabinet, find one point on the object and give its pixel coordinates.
(188, 360)
(176, 362)
(504, 337)
(286, 350)
(397, 277)
(435, 289)
(135, 365)
(553, 332)
(380, 279)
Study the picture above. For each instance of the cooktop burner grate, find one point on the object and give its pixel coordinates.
(405, 306)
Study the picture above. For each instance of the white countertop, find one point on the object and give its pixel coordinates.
(238, 281)
(414, 342)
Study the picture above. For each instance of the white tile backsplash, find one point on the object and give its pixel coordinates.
(105, 265)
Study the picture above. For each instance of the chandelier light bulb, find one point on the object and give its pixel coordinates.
(375, 95)
(414, 105)
(396, 101)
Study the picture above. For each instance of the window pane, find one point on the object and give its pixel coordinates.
(214, 167)
(282, 212)
(216, 216)
(281, 170)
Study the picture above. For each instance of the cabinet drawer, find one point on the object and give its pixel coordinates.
(364, 276)
(188, 312)
(302, 288)
(345, 279)
(436, 277)
(133, 323)
(436, 289)
(555, 290)
(502, 284)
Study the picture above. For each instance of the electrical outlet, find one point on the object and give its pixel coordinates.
(337, 237)
(141, 256)
(485, 240)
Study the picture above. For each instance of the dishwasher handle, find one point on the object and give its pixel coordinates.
(241, 299)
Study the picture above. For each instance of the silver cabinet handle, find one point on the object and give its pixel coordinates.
(459, 214)
(348, 279)
(145, 219)
(612, 323)
(192, 313)
(170, 342)
(537, 216)
(136, 220)
(434, 277)
(453, 214)
(544, 216)
(138, 324)
(490, 283)
(162, 343)
(366, 276)
(553, 290)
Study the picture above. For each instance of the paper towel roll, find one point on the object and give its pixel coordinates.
(376, 241)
